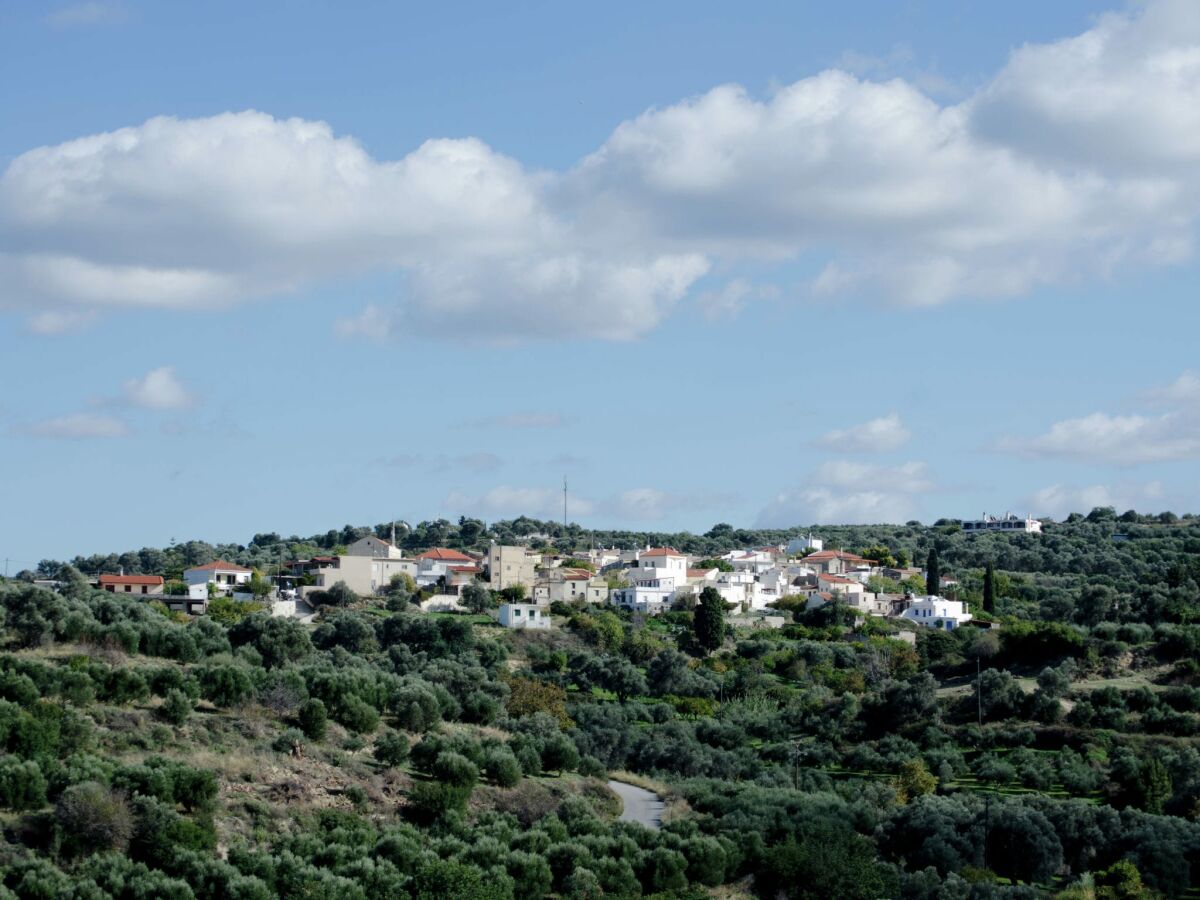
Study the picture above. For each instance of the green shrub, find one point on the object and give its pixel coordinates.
(22, 785)
(391, 748)
(314, 720)
(176, 707)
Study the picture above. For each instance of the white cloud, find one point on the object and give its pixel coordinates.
(78, 426)
(729, 300)
(906, 478)
(642, 504)
(158, 389)
(1183, 390)
(54, 322)
(1078, 156)
(848, 492)
(1058, 501)
(876, 436)
(84, 15)
(1119, 98)
(208, 212)
(1125, 439)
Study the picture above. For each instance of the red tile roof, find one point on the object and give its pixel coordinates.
(698, 573)
(441, 553)
(836, 579)
(834, 554)
(662, 551)
(131, 579)
(219, 564)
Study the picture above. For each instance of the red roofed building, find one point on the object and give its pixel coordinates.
(131, 584)
(443, 554)
(834, 562)
(448, 571)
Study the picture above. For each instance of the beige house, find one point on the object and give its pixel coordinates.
(132, 584)
(375, 547)
(364, 575)
(565, 586)
(508, 566)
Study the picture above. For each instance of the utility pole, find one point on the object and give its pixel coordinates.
(987, 797)
(979, 689)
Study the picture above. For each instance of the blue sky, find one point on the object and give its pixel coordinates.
(287, 266)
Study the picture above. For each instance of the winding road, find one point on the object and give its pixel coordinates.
(640, 805)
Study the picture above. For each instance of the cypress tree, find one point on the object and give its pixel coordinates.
(933, 573)
(708, 621)
(989, 588)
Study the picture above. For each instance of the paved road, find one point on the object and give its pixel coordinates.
(640, 805)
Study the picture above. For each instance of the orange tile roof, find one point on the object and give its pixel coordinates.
(662, 551)
(836, 579)
(131, 579)
(442, 553)
(834, 554)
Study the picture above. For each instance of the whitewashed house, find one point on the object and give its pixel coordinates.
(524, 615)
(804, 544)
(936, 612)
(228, 577)
(442, 564)
(647, 595)
(1007, 524)
(662, 563)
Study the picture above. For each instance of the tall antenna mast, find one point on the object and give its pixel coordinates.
(564, 502)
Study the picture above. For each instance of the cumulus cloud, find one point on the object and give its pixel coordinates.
(1183, 390)
(844, 492)
(1125, 439)
(1058, 501)
(1076, 157)
(158, 389)
(876, 436)
(729, 300)
(78, 426)
(208, 212)
(54, 322)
